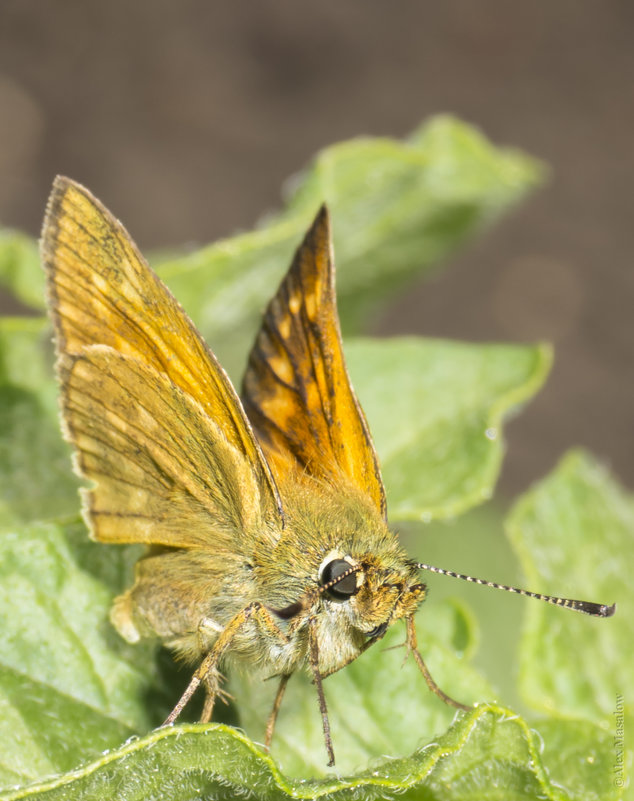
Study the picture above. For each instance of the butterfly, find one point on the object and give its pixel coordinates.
(265, 516)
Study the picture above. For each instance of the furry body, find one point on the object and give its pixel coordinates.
(276, 569)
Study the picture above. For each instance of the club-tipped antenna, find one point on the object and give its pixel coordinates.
(587, 607)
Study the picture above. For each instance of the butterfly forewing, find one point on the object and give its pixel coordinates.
(101, 292)
(296, 390)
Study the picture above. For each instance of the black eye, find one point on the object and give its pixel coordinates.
(341, 590)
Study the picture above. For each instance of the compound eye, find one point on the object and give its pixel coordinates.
(340, 590)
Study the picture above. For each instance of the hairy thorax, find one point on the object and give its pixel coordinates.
(189, 597)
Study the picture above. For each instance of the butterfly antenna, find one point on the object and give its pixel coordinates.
(587, 607)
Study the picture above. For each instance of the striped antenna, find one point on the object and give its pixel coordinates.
(587, 607)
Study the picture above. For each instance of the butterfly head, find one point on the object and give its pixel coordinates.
(376, 588)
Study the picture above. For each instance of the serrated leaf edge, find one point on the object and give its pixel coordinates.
(319, 788)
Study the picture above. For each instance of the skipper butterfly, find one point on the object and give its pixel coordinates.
(265, 518)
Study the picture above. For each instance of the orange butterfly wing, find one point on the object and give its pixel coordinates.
(114, 317)
(296, 389)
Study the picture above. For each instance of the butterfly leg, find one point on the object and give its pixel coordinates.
(412, 646)
(208, 706)
(207, 670)
(270, 723)
(213, 690)
(313, 654)
(318, 678)
(209, 629)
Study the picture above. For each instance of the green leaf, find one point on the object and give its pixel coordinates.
(398, 209)
(574, 536)
(379, 705)
(23, 361)
(35, 476)
(489, 754)
(582, 757)
(20, 269)
(448, 399)
(58, 639)
(69, 686)
(72, 687)
(440, 444)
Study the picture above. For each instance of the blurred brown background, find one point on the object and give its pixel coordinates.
(186, 117)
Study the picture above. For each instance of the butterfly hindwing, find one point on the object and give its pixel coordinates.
(296, 391)
(164, 473)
